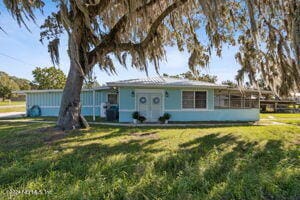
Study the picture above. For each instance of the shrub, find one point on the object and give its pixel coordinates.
(161, 119)
(142, 119)
(167, 116)
(135, 115)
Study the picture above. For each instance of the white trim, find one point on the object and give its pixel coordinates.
(119, 98)
(187, 110)
(85, 106)
(195, 109)
(135, 106)
(48, 106)
(167, 85)
(112, 93)
(213, 94)
(148, 91)
(163, 102)
(94, 117)
(210, 110)
(101, 96)
(26, 103)
(126, 110)
(58, 90)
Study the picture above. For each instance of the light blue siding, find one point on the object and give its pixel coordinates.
(173, 106)
(127, 101)
(173, 101)
(216, 115)
(49, 102)
(126, 104)
(49, 111)
(125, 116)
(210, 99)
(86, 98)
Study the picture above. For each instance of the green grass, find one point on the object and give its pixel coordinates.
(289, 121)
(12, 103)
(240, 162)
(12, 109)
(287, 118)
(279, 115)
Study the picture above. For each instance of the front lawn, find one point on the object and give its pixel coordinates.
(279, 115)
(12, 103)
(12, 109)
(286, 118)
(240, 162)
(13, 106)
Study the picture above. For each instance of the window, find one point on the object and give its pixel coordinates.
(248, 100)
(254, 100)
(221, 99)
(187, 99)
(112, 98)
(194, 99)
(235, 100)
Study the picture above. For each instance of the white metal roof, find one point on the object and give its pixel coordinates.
(58, 90)
(164, 82)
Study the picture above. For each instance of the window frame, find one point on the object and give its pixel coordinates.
(113, 94)
(221, 92)
(194, 100)
(251, 98)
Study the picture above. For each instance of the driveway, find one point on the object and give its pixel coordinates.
(12, 115)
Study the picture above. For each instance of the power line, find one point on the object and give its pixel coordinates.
(16, 59)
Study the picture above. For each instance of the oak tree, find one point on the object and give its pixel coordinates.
(7, 86)
(48, 78)
(267, 32)
(196, 75)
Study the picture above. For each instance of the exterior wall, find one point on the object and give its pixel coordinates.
(126, 104)
(172, 105)
(49, 102)
(216, 115)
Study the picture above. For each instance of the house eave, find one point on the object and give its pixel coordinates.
(57, 90)
(167, 86)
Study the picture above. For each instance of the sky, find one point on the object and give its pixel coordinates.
(21, 52)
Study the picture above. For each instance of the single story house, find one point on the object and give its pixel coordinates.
(185, 100)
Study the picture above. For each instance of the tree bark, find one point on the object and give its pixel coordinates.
(70, 108)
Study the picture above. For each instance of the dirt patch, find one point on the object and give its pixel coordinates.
(150, 135)
(140, 136)
(54, 134)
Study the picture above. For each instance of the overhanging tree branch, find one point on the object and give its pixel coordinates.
(109, 45)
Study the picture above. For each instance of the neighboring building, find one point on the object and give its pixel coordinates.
(185, 100)
(270, 103)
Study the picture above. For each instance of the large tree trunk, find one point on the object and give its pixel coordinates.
(69, 114)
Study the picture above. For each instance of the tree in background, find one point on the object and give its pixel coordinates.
(48, 78)
(195, 76)
(91, 81)
(23, 84)
(7, 85)
(230, 83)
(100, 30)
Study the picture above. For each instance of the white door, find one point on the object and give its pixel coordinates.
(150, 106)
(156, 107)
(143, 105)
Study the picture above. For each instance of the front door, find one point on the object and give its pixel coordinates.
(149, 105)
